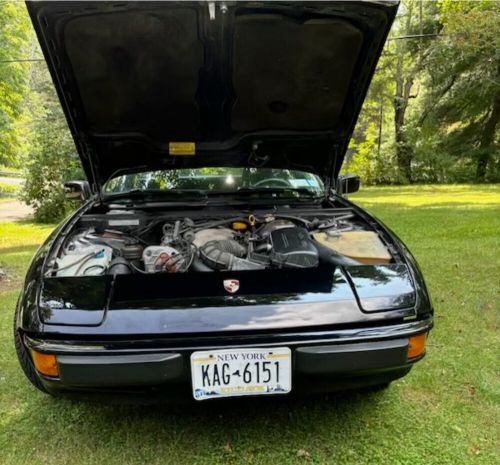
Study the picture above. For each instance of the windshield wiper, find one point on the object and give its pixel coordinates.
(175, 194)
(288, 191)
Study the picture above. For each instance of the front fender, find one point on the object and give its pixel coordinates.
(423, 305)
(27, 308)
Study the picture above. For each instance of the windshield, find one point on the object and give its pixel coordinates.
(213, 180)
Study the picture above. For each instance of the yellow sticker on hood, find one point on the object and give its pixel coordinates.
(181, 148)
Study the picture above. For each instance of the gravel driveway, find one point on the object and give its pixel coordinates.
(11, 181)
(14, 210)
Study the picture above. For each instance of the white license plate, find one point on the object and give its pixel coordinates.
(241, 372)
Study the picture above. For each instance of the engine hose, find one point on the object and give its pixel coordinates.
(328, 255)
(119, 265)
(219, 254)
(198, 265)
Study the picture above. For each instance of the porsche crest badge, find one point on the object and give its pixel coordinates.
(231, 285)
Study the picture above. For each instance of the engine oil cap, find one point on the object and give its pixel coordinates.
(239, 226)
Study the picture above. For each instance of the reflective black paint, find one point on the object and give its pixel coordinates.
(270, 300)
(198, 303)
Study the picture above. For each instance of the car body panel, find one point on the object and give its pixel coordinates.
(324, 360)
(197, 303)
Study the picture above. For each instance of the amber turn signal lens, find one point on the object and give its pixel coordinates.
(46, 364)
(416, 345)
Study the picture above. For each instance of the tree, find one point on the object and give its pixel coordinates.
(417, 19)
(15, 31)
(441, 69)
(463, 101)
(52, 157)
(395, 85)
(371, 146)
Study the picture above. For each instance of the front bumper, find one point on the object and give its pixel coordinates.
(322, 361)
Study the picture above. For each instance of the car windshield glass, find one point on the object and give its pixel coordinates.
(217, 180)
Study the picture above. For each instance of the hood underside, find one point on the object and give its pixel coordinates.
(278, 84)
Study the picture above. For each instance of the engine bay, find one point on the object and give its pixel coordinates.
(118, 243)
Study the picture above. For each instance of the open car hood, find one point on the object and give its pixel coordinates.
(163, 85)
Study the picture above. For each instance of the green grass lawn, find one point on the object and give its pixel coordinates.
(446, 411)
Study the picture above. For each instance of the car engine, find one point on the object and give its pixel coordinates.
(189, 245)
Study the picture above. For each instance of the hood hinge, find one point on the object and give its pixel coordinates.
(328, 175)
(93, 163)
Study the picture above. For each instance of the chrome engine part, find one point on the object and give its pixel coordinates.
(164, 258)
(278, 244)
(204, 236)
(86, 260)
(231, 244)
(219, 249)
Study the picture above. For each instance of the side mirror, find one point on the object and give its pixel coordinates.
(348, 183)
(77, 190)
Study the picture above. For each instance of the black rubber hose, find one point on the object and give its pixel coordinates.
(198, 265)
(119, 265)
(328, 255)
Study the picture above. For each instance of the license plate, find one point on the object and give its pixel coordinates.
(241, 372)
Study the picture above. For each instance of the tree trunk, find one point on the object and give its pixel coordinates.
(404, 152)
(487, 139)
(404, 83)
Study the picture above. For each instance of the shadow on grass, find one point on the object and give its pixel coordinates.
(257, 424)
(25, 248)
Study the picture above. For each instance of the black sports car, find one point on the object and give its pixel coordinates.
(215, 253)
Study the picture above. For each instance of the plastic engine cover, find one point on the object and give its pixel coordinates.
(292, 247)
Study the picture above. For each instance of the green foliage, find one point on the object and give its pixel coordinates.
(51, 162)
(33, 132)
(52, 158)
(449, 127)
(371, 153)
(461, 108)
(15, 31)
(369, 159)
